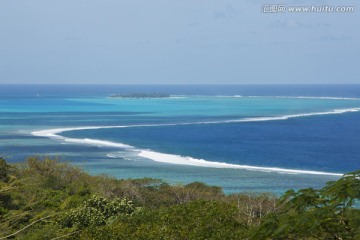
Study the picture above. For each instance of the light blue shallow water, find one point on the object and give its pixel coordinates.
(242, 138)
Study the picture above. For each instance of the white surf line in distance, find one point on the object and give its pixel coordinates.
(288, 97)
(307, 97)
(176, 159)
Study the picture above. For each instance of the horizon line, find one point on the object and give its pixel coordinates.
(179, 84)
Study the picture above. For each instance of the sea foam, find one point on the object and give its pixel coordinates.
(177, 159)
(299, 97)
(286, 97)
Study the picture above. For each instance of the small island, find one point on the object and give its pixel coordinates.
(140, 95)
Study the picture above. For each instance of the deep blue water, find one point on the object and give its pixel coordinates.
(324, 142)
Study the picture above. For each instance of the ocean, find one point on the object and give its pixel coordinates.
(252, 138)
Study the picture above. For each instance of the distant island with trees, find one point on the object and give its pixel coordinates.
(140, 95)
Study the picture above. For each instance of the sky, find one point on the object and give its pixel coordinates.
(177, 42)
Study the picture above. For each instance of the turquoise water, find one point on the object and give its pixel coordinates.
(242, 138)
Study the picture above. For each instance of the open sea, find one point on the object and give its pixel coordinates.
(253, 138)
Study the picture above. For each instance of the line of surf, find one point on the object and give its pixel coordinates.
(54, 133)
(181, 160)
(176, 159)
(164, 157)
(289, 97)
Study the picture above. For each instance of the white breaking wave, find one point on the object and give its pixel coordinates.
(304, 97)
(177, 159)
(288, 97)
(120, 155)
(285, 117)
(54, 134)
(178, 96)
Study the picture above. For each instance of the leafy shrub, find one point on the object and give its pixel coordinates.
(4, 170)
(96, 211)
(193, 220)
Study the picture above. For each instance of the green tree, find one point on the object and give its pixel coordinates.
(328, 213)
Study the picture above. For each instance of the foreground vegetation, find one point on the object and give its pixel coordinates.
(47, 199)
